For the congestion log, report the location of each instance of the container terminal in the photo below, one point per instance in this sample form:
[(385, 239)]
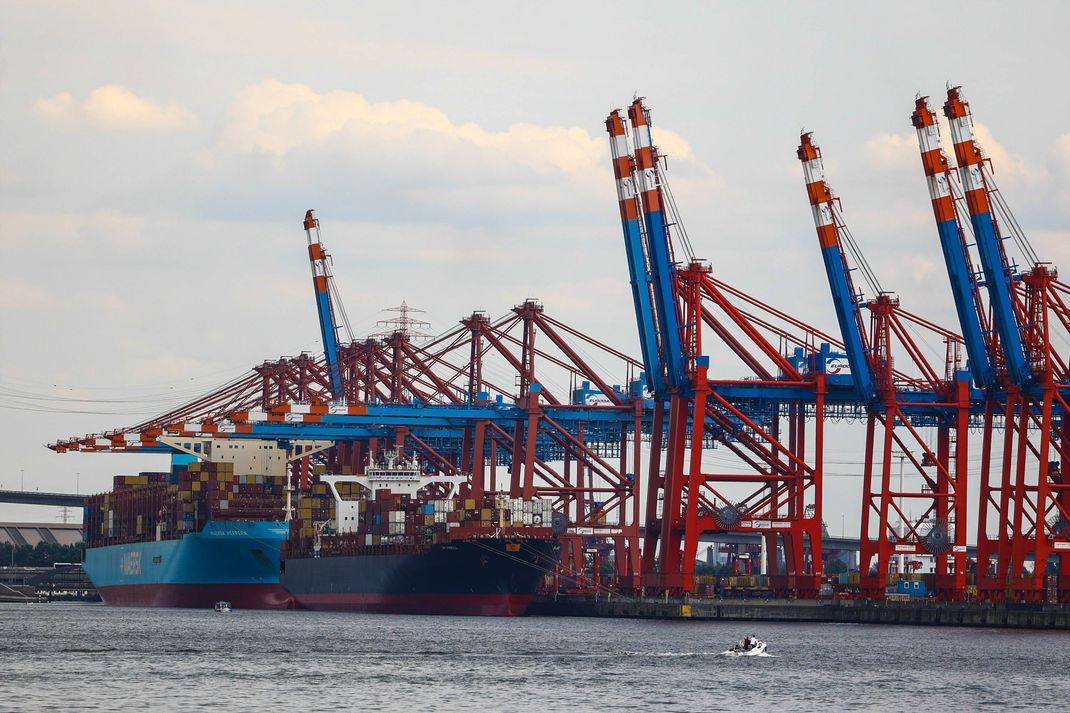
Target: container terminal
[(497, 420)]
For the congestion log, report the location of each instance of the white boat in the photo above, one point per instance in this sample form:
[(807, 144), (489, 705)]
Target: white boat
[(756, 648), (222, 607)]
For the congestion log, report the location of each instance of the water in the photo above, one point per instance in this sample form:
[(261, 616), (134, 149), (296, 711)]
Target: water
[(91, 657)]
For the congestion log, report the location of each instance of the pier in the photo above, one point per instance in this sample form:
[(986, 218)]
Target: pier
[(925, 612)]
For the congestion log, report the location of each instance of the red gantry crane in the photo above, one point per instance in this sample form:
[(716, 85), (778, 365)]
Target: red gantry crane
[(897, 519)]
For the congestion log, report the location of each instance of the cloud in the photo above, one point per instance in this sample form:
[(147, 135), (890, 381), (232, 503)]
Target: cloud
[(1061, 159), (892, 151), (115, 108), (97, 228), (277, 118), (110, 226), (1008, 167), (900, 151), (407, 161), (54, 108), (18, 294)]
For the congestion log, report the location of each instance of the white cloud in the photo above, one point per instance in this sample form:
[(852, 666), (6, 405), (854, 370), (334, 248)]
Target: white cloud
[(1009, 167), (893, 151), (277, 118), (922, 267), (1062, 152), (115, 108), (408, 162), (900, 151), (16, 293), (97, 227), (114, 227), (54, 108)]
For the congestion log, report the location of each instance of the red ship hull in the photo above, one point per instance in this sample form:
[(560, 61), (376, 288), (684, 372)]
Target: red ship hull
[(439, 604), (198, 596)]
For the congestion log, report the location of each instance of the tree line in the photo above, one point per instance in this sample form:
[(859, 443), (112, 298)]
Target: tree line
[(44, 554)]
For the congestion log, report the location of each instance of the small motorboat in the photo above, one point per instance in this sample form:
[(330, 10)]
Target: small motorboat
[(750, 646), (222, 607)]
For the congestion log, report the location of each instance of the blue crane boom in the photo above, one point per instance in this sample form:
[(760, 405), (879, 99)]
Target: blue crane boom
[(635, 248), (963, 278), (845, 297), (997, 269), (659, 252), (321, 277)]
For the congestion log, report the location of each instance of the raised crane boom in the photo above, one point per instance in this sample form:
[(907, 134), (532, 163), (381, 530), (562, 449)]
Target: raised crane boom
[(964, 287), (321, 278), (637, 252), (997, 269), (659, 257), (844, 295)]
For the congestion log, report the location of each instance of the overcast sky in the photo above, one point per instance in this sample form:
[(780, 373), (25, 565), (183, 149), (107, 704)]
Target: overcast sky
[(156, 161)]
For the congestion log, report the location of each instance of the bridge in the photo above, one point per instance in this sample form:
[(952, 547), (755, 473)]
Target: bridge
[(34, 497)]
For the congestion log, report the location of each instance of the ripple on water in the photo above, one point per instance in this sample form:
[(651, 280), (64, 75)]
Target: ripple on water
[(110, 658)]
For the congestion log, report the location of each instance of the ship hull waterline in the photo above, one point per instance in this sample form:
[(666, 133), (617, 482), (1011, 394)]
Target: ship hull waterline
[(466, 578)]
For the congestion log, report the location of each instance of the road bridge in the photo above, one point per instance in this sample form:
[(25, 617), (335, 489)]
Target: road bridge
[(35, 497)]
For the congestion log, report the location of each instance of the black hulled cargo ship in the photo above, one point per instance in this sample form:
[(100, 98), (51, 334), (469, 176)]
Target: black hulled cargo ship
[(472, 577), (399, 550)]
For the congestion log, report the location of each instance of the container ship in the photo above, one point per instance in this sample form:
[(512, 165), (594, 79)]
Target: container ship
[(208, 530), (403, 542)]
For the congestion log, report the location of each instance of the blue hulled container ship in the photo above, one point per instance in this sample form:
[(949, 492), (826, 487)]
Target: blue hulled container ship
[(210, 529), (235, 561)]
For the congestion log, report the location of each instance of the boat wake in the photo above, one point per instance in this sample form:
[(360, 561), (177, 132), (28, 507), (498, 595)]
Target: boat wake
[(737, 654), (659, 654)]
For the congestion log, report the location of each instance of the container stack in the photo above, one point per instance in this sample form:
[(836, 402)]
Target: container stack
[(133, 512), (168, 505), (215, 490), (404, 522)]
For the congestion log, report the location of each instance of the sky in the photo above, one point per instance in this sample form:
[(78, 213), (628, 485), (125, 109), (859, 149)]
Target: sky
[(156, 160)]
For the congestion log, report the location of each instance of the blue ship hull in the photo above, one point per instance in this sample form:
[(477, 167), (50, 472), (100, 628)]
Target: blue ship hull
[(233, 561)]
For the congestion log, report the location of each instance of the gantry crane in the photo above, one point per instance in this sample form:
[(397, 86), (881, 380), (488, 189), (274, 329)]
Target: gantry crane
[(1024, 502), (897, 404), (772, 424)]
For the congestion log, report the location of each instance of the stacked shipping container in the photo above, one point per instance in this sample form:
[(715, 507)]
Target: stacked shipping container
[(168, 505), (165, 506), (403, 522)]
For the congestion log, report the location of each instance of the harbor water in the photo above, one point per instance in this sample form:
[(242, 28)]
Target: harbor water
[(92, 657)]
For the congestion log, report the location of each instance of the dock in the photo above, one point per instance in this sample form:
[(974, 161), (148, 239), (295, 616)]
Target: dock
[(924, 613)]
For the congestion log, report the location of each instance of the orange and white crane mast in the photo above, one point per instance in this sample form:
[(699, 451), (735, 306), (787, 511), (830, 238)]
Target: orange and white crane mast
[(1024, 510), (328, 306), (933, 521), (973, 317)]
